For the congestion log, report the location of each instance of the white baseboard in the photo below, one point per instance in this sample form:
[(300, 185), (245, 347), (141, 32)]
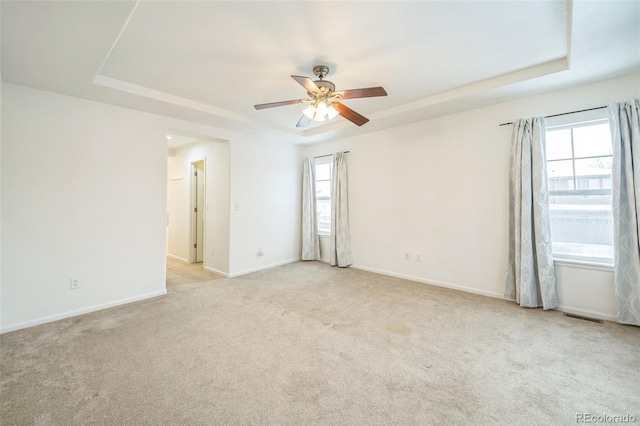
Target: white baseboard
[(587, 313), (562, 308), (261, 268), (76, 312), (178, 258), (433, 282), (210, 269)]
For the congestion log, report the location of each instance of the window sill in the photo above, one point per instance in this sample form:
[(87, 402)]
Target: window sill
[(584, 264), (325, 236)]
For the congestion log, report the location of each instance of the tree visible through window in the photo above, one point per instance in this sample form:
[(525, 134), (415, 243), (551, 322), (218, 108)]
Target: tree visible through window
[(323, 194), (579, 159)]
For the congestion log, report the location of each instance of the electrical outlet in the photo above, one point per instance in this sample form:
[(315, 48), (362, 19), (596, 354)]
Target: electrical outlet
[(75, 283), (260, 251), (213, 252), (418, 257), (407, 256)]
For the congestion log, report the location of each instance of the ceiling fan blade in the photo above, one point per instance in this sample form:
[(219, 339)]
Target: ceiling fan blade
[(307, 83), (277, 104), (350, 114), (304, 121), (368, 92)]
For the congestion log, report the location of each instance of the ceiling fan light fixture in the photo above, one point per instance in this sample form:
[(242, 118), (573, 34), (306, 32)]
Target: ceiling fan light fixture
[(320, 110), (325, 101), (310, 111), (332, 112)]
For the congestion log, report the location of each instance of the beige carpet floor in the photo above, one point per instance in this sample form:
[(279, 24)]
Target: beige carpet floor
[(179, 272), (307, 344)]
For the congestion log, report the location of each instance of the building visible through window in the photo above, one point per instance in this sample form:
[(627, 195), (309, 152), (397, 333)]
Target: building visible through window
[(323, 194), (579, 159)]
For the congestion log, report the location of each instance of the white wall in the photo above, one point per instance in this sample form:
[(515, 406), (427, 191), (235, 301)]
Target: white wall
[(84, 187), (0, 191), (216, 156), (84, 194), (440, 188), (266, 187)]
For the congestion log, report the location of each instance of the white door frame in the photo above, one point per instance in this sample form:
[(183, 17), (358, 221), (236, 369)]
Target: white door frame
[(192, 211)]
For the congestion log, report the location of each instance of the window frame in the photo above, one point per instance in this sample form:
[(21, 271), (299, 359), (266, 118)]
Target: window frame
[(319, 161), (577, 122)]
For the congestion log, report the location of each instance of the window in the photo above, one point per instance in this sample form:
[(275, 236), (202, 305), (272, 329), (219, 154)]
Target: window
[(579, 159), (323, 194)]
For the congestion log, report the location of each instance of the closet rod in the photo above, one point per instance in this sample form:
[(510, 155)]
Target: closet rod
[(329, 155), (563, 113)]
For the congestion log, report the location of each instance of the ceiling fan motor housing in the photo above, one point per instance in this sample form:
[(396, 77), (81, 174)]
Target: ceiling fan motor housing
[(325, 87), (321, 71)]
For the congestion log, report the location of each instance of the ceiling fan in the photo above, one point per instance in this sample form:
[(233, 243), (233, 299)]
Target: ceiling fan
[(324, 99)]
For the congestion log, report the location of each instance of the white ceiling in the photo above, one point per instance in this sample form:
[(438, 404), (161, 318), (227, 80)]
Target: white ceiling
[(211, 61)]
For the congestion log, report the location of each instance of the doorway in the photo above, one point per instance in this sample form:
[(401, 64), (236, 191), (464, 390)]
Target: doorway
[(198, 213)]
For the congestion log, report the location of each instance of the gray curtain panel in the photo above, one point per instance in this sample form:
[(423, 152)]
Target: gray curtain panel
[(530, 274), (624, 119), (340, 236), (310, 240)]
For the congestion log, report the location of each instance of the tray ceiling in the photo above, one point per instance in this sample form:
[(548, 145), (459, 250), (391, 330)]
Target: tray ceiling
[(210, 62)]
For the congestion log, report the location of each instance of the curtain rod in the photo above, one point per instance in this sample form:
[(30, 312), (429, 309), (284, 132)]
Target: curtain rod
[(563, 113), (329, 155)]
